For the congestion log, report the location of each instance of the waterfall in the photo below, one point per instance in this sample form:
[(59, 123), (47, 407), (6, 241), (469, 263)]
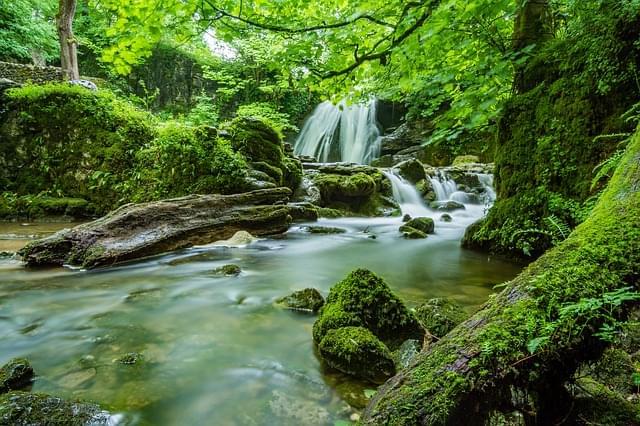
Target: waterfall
[(341, 132), (444, 187), (407, 196), (486, 180)]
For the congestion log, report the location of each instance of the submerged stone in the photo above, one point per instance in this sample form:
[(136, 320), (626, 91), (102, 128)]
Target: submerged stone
[(228, 270), (15, 375), (446, 218), (363, 299), (412, 234), (307, 300), (131, 358), (323, 230), (358, 352), (439, 316), (22, 408), (446, 206)]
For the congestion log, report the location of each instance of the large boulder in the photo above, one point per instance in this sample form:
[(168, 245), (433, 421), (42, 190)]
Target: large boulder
[(139, 230), (15, 375), (357, 352), (363, 299)]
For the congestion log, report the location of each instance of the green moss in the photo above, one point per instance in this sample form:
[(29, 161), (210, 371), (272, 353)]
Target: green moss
[(465, 159), (308, 300), (411, 233), (356, 351), (13, 206), (440, 316), (597, 404), (364, 299), (21, 408), (228, 270), (15, 375), (423, 224)]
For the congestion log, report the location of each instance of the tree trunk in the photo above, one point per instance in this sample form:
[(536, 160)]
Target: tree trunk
[(485, 364), (139, 230), (533, 26), (68, 43)]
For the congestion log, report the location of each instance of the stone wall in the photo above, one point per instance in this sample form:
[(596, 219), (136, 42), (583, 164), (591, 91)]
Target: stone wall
[(22, 73)]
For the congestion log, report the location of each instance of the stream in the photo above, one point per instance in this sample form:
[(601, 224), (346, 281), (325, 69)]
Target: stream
[(215, 350)]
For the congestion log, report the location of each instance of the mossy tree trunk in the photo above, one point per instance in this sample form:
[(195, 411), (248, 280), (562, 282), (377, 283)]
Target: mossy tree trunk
[(486, 365), (68, 42), (533, 26)]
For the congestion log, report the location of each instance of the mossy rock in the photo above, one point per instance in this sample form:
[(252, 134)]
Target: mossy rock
[(323, 230), (596, 404), (424, 224), (465, 159), (615, 369), (412, 234), (446, 218), (307, 300), (228, 270), (15, 375), (440, 316), (411, 170), (22, 408), (334, 187), (357, 352), (132, 358), (363, 299), (256, 140)]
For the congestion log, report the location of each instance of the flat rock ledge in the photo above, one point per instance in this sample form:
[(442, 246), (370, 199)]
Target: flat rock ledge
[(134, 231)]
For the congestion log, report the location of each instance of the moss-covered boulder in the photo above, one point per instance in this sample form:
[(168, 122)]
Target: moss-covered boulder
[(411, 170), (423, 224), (34, 409), (353, 190), (363, 299), (262, 145), (440, 316), (15, 375), (358, 352), (307, 300)]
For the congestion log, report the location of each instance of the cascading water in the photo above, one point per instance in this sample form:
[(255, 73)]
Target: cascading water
[(443, 186), (342, 132), (407, 196)]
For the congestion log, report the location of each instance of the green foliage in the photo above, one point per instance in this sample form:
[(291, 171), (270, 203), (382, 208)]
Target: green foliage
[(205, 112), (27, 30), (185, 160), (269, 114)]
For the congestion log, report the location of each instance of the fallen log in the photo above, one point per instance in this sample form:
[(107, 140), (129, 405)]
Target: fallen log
[(139, 230), (518, 350)]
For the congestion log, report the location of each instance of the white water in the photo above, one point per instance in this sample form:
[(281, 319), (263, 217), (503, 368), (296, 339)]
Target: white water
[(341, 132), (444, 187), (407, 196)]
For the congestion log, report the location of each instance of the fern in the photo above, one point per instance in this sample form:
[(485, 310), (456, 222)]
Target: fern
[(559, 229), (606, 168)]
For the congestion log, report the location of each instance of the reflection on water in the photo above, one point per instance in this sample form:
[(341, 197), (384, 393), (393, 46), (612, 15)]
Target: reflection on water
[(14, 235), (214, 349)]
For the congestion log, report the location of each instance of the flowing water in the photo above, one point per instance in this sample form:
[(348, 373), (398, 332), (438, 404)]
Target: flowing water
[(342, 132), (216, 351)]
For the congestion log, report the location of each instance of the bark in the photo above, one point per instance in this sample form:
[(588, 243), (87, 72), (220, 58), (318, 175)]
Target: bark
[(533, 26), (139, 230), (68, 42), (485, 365)]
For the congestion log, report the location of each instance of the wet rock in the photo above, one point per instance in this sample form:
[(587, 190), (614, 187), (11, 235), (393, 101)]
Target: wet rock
[(439, 316), (399, 140), (253, 184), (446, 218), (412, 234), (411, 170), (303, 212), (406, 218), (307, 300), (6, 255), (76, 379), (131, 358), (363, 299), (34, 409), (228, 270), (357, 352), (346, 169), (323, 230), (424, 224), (239, 239), (138, 230), (447, 206), (15, 375)]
